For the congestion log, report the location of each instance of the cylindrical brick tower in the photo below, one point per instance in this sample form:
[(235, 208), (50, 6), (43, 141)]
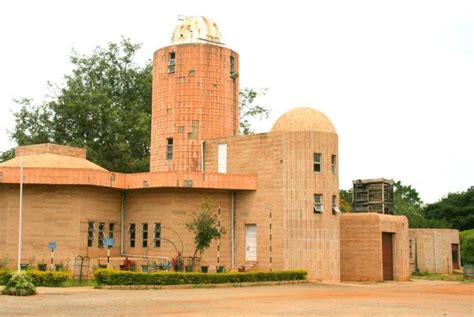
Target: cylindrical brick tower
[(195, 95)]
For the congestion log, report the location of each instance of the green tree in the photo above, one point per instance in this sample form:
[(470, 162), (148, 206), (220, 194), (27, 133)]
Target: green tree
[(249, 110), (345, 200), (407, 202), (456, 209), (204, 227), (104, 106)]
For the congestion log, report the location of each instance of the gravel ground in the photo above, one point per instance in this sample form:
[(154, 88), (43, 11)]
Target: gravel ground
[(418, 298)]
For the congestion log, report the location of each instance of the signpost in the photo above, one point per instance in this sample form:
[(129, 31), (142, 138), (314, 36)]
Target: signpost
[(52, 247), (108, 243)]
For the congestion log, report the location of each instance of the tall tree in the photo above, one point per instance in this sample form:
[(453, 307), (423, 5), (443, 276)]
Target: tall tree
[(457, 209), (249, 110), (104, 106), (345, 200), (407, 202)]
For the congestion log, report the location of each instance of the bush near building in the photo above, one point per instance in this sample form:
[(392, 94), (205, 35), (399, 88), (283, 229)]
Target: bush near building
[(113, 277), (38, 278), (20, 284), (467, 246)]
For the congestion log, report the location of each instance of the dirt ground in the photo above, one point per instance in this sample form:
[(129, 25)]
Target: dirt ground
[(418, 298)]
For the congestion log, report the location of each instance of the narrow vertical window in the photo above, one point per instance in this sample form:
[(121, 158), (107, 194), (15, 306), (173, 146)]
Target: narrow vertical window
[(232, 67), (171, 62), (318, 203), (317, 162), (335, 209), (111, 230), (169, 148), (333, 164), (90, 234), (144, 235), (157, 235), (131, 234), (101, 234)]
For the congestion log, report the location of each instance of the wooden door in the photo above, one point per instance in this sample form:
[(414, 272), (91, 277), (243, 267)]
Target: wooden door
[(455, 255), (387, 255), (251, 243)]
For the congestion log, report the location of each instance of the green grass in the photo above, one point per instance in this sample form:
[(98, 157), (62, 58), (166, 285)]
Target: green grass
[(441, 277)]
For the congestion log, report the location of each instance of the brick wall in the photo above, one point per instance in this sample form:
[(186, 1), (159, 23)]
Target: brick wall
[(55, 213), (198, 101), (173, 208), (432, 248), (50, 148), (283, 163), (361, 246)]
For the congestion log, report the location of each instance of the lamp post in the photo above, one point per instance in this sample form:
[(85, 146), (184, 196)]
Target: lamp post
[(20, 213)]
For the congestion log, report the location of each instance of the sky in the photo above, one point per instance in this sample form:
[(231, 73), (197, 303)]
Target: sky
[(396, 78)]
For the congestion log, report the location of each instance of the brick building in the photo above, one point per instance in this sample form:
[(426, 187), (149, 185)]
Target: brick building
[(276, 193)]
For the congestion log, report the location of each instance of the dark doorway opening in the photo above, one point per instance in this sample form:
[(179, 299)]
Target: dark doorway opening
[(387, 255), (455, 255)]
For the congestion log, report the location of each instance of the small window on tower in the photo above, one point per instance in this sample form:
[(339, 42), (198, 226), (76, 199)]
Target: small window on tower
[(335, 209), (333, 164), (318, 203), (232, 67), (169, 148), (317, 162), (171, 62)]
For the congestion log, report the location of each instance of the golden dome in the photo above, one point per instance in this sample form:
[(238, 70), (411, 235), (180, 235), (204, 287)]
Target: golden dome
[(303, 119), (196, 29)]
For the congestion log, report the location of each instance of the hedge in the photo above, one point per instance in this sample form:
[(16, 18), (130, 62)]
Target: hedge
[(467, 246), (40, 278), (114, 277)]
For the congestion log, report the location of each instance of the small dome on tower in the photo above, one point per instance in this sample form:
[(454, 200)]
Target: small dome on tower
[(303, 119), (196, 29)]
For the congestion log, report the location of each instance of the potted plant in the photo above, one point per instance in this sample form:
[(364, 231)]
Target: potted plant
[(220, 269), (177, 262), (128, 265), (42, 266), (205, 229)]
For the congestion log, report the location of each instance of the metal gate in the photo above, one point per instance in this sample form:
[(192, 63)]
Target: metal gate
[(81, 269)]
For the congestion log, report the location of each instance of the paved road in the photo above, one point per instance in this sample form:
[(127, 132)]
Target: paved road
[(418, 298)]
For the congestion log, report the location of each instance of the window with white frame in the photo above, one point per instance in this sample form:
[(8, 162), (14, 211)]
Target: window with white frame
[(318, 203), (169, 148), (335, 209), (171, 62), (317, 162)]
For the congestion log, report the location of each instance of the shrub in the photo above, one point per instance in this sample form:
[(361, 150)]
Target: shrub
[(467, 246), (20, 284), (114, 277), (48, 278), (5, 276), (38, 278)]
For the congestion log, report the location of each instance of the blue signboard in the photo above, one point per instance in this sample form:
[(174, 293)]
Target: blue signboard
[(109, 242), (52, 245)]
